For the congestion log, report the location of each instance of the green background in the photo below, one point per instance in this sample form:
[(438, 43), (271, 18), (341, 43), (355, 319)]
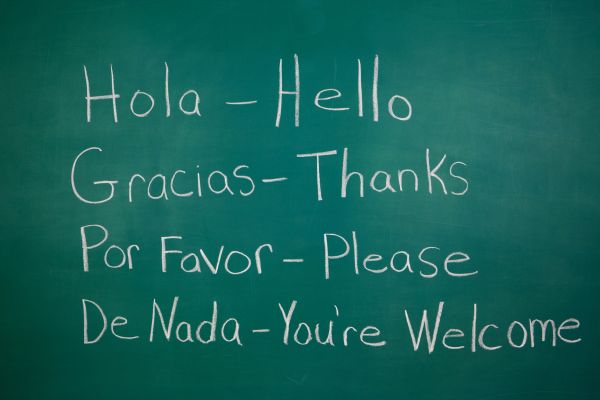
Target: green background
[(508, 87)]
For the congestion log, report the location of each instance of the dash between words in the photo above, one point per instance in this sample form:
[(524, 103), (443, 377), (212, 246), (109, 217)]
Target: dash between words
[(433, 175), (425, 334), (329, 99)]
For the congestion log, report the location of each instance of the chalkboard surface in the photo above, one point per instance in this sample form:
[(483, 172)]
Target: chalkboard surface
[(166, 232)]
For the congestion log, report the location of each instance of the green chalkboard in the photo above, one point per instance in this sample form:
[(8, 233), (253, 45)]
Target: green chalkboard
[(261, 200)]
